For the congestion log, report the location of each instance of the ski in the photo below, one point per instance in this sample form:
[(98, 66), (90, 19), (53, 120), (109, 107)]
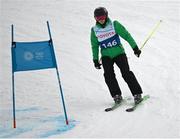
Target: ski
[(115, 106), (136, 105)]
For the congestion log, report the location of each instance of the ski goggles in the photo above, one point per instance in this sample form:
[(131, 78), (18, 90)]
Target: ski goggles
[(98, 18)]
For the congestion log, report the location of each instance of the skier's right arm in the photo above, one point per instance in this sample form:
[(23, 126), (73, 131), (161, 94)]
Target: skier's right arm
[(95, 49), (94, 45)]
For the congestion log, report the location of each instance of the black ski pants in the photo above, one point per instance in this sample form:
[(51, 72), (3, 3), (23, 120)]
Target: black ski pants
[(110, 77)]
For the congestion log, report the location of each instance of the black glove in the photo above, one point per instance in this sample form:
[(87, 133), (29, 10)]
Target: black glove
[(97, 65), (137, 51)]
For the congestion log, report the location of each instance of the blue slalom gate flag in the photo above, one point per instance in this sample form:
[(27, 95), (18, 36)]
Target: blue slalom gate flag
[(33, 56)]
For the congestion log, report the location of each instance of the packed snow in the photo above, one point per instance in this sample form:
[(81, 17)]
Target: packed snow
[(39, 110)]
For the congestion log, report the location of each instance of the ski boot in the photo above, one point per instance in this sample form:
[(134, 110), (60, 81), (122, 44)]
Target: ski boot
[(117, 99), (137, 98)]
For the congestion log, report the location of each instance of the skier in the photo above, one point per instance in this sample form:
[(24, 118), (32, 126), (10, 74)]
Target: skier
[(107, 35)]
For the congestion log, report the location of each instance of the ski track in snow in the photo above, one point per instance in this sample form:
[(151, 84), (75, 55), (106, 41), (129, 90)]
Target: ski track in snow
[(86, 95)]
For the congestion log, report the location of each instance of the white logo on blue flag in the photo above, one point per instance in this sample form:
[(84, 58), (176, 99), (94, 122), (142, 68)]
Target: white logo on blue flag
[(39, 55), (28, 56)]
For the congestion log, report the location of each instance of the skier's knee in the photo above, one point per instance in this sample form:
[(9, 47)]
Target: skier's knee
[(109, 77), (127, 75)]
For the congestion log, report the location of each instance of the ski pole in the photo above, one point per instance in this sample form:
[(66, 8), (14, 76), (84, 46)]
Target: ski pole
[(150, 35)]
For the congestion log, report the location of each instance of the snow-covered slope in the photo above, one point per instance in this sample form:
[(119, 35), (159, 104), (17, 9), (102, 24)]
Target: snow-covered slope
[(39, 109)]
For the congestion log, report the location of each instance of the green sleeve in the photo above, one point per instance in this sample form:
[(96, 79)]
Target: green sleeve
[(121, 30), (94, 45)]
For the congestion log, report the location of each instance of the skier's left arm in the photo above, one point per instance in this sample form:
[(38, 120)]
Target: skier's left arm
[(121, 30)]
